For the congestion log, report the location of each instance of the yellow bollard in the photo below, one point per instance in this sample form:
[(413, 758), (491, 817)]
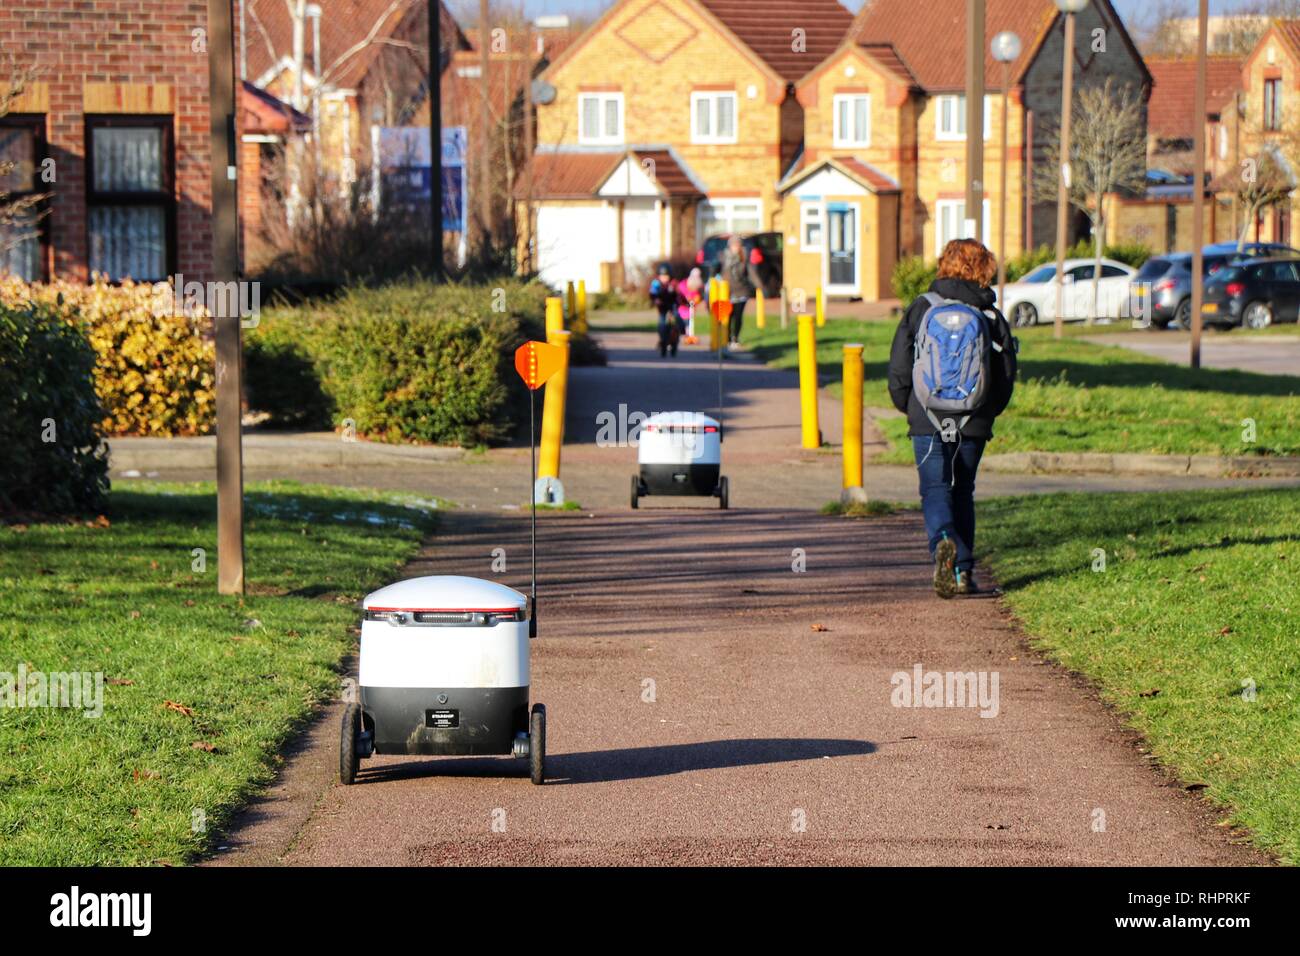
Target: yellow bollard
[(553, 411), (581, 324), (812, 433), (821, 307), (554, 314), (760, 315), (570, 302), (852, 380), (724, 311)]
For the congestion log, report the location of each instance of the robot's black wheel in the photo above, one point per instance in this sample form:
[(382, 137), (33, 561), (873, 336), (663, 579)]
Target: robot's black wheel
[(636, 491), (537, 744), (724, 493), (349, 761)]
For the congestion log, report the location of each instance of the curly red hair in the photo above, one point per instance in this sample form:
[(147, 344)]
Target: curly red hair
[(968, 259)]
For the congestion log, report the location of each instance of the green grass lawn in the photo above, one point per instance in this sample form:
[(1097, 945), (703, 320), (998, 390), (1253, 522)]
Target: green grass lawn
[(201, 690), (1076, 396), (1198, 602)]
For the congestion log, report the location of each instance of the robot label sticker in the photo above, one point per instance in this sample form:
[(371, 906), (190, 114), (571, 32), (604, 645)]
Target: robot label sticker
[(442, 719)]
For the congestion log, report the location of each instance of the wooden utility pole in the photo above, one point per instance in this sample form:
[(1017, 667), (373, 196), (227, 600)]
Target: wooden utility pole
[(1198, 186), (435, 140), (484, 160), (975, 115), (225, 268), (1064, 173)]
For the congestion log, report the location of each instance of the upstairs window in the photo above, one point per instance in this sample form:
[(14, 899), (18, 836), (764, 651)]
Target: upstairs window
[(131, 214), (852, 120), (600, 118), (1272, 104), (713, 117), (950, 116)]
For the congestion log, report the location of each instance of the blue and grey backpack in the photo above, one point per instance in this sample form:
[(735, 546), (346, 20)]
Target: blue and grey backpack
[(950, 367)]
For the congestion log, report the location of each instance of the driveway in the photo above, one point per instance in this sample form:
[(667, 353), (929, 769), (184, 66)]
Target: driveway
[(1265, 354)]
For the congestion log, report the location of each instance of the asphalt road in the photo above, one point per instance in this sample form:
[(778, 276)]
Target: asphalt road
[(1265, 354), (721, 689)]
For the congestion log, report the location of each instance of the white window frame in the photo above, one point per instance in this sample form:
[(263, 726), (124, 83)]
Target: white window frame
[(959, 104), (958, 205), (729, 219), (604, 139), (838, 138), (812, 213), (714, 97)]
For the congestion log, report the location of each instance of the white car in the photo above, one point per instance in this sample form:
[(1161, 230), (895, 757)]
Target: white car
[(1033, 298)]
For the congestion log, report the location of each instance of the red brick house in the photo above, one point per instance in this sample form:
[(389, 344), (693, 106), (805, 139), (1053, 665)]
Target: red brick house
[(115, 131)]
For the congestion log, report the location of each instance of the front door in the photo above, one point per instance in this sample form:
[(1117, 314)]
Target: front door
[(842, 248)]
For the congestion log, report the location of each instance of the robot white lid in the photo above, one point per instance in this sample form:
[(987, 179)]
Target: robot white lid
[(681, 418), (445, 592)]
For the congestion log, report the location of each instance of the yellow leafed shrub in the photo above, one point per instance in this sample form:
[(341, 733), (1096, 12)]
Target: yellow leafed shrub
[(154, 368)]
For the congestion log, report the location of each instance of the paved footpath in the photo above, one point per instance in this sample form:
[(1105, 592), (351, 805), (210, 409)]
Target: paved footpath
[(710, 703)]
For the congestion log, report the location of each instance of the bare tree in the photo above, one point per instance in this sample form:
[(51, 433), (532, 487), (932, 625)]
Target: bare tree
[(18, 214), (1107, 155), (1266, 175)]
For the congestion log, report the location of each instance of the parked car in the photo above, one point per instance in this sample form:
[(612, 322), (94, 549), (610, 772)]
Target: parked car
[(1162, 289), (1256, 250), (1033, 298), (768, 266), (1253, 293)]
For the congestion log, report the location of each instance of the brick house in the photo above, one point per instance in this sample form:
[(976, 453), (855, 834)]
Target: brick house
[(881, 174), (114, 131), (666, 122)]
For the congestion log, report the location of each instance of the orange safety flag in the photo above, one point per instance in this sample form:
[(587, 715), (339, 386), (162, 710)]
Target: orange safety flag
[(724, 310), (537, 361)]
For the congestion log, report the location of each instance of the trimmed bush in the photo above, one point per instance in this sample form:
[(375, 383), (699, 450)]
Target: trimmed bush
[(54, 460), (416, 362), (153, 370), (912, 277)]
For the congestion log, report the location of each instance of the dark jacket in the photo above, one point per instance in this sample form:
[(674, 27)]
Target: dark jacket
[(1003, 365)]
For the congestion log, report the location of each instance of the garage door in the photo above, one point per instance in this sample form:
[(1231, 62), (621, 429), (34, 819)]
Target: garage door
[(572, 241)]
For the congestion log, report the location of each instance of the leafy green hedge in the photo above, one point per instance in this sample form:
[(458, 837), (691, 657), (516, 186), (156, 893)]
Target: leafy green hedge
[(416, 362), (912, 275), (52, 456)]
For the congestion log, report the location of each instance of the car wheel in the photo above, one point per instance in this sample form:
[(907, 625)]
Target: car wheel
[(1023, 314), (1257, 315), (1182, 316)]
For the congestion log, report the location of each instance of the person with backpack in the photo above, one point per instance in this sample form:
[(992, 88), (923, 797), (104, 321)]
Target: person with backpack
[(952, 368)]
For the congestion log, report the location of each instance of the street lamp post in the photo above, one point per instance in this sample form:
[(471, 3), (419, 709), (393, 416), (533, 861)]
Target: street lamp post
[(975, 120), (1198, 187), (1069, 8), (1006, 50)]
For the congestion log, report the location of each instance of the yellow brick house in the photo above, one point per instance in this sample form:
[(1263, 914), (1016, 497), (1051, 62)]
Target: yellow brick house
[(884, 125), (666, 122)]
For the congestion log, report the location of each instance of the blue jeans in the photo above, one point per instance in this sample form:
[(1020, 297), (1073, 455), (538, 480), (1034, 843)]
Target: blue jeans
[(947, 473)]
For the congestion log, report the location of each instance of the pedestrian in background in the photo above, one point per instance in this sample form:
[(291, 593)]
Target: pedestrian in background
[(736, 270)]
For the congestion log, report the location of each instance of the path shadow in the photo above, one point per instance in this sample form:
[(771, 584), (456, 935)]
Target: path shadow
[(635, 763)]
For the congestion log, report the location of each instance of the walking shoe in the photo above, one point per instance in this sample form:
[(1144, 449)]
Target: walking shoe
[(945, 577), (966, 585)]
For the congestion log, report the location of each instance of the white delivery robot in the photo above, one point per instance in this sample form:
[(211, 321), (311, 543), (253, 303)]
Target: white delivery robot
[(444, 671), (680, 453)]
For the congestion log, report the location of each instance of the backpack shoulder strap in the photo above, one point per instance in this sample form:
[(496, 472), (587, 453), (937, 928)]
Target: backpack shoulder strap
[(934, 298)]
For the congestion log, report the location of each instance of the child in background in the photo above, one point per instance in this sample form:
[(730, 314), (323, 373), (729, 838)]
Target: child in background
[(663, 295), (690, 296)]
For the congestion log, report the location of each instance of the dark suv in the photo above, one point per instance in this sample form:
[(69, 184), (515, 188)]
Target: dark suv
[(769, 266), (1253, 293)]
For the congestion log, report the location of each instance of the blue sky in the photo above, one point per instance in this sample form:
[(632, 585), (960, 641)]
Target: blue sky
[(1128, 9)]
